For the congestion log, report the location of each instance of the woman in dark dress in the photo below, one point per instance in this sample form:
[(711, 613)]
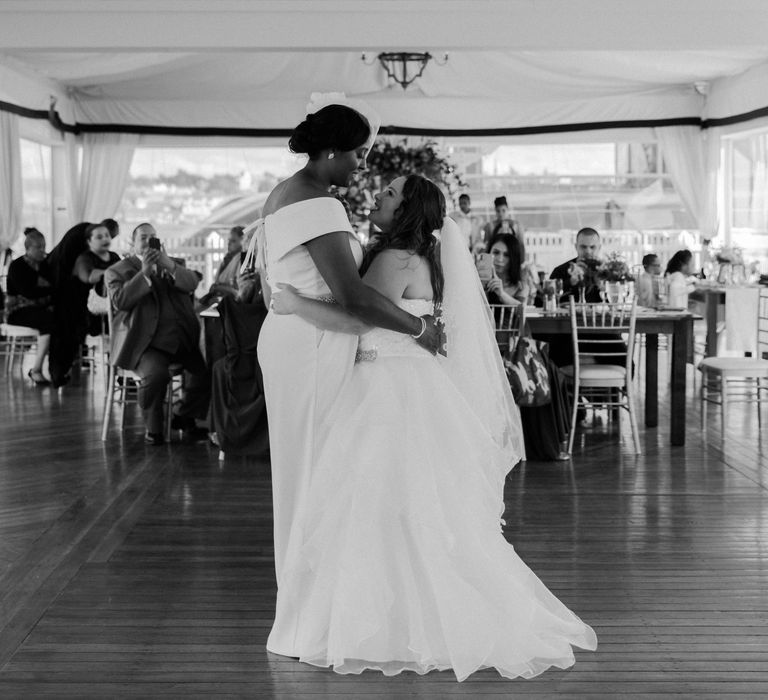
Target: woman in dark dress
[(70, 318), (29, 297), (89, 273)]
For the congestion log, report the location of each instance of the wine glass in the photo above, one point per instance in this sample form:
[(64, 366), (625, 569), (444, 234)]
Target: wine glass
[(558, 290)]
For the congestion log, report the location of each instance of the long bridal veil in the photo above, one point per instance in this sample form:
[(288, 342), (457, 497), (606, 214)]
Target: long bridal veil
[(474, 363)]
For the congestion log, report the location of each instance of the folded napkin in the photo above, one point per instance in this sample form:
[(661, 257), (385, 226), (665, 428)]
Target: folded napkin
[(741, 318)]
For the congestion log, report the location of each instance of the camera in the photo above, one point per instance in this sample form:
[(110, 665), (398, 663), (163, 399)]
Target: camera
[(154, 243)]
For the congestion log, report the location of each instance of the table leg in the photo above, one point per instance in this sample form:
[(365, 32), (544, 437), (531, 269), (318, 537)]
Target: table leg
[(651, 380), (680, 340)]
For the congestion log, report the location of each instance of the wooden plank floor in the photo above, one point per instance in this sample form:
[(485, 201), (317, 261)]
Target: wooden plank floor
[(127, 570)]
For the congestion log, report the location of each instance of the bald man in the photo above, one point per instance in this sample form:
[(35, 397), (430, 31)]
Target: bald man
[(155, 325)]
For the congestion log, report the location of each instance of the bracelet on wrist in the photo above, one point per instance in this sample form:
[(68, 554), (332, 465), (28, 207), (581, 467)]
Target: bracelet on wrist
[(423, 328)]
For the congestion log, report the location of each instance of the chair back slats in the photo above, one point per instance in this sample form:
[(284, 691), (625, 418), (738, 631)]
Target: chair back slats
[(509, 322), (595, 327)]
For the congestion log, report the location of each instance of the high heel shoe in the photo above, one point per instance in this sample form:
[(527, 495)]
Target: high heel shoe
[(38, 378)]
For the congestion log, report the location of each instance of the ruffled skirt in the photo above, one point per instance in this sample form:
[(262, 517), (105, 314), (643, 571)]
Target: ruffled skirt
[(400, 563)]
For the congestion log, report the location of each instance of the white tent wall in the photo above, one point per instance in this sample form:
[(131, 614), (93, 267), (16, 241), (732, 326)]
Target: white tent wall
[(544, 71), (11, 195)]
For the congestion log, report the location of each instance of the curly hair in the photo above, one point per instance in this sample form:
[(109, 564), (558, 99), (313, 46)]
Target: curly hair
[(420, 213), (513, 271)]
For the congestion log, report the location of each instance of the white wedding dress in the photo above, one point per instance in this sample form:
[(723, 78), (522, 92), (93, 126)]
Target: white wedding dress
[(304, 368), (399, 562)]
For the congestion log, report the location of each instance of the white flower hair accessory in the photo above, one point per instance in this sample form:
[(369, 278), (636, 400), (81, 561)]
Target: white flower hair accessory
[(318, 100)]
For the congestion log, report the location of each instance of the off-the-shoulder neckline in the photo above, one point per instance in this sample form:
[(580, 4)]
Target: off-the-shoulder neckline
[(302, 201)]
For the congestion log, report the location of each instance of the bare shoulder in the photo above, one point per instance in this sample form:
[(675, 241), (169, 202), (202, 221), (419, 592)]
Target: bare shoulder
[(393, 259), (291, 191)]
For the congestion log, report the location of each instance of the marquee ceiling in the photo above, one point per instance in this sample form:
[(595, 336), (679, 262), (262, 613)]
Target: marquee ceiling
[(237, 64)]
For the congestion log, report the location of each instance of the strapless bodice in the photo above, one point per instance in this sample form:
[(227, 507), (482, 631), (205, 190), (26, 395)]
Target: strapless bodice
[(380, 342)]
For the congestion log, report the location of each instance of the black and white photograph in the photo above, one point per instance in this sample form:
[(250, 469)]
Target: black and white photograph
[(383, 349)]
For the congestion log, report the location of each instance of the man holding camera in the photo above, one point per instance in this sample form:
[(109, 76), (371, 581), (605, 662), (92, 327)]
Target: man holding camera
[(155, 325)]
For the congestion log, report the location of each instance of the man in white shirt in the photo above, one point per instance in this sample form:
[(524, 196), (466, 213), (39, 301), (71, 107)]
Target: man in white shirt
[(467, 222)]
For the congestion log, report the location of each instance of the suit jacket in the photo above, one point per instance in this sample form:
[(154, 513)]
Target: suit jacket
[(137, 310)]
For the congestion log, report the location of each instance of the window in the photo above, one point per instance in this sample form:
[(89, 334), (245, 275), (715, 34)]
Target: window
[(36, 187), (193, 196), (554, 187), (748, 183)]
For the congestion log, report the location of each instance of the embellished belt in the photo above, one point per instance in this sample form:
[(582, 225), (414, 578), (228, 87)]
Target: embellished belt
[(366, 355)]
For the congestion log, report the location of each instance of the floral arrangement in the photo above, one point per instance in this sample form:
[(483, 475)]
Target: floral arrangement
[(388, 160), (583, 273), (728, 254), (614, 268)]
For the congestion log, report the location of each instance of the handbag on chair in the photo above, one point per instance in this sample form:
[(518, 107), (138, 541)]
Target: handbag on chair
[(97, 304), (526, 369)]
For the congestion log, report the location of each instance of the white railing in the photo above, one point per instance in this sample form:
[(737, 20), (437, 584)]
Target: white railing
[(549, 249), (545, 249)]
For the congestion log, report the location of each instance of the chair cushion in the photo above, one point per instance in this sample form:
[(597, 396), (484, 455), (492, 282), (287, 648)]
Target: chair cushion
[(10, 330), (745, 366), (609, 372)]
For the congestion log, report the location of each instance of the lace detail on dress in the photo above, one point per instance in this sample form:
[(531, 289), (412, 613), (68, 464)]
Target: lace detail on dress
[(380, 342)]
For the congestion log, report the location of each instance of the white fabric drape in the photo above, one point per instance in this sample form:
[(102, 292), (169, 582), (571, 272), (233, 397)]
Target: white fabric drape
[(104, 174), (11, 196), (692, 158)]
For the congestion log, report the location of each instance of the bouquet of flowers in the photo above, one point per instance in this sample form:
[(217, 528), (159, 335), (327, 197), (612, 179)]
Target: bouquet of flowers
[(614, 269), (583, 273)]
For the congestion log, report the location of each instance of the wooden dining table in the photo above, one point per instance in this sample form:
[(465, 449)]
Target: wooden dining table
[(651, 322)]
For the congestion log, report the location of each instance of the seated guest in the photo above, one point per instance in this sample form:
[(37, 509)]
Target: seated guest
[(155, 325), (70, 321), (238, 416), (507, 285), (226, 276), (29, 297), (575, 273), (578, 271), (644, 286), (502, 223), (90, 267), (678, 277)]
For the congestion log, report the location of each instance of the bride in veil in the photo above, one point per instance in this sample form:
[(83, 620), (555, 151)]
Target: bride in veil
[(400, 563)]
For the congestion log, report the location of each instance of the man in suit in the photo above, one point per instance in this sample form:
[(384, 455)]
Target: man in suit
[(155, 325)]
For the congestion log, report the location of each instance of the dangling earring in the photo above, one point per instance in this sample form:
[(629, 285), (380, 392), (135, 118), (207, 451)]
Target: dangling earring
[(331, 155)]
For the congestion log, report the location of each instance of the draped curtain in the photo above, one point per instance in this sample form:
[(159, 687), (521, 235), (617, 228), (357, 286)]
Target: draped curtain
[(104, 173), (692, 159), (11, 198)]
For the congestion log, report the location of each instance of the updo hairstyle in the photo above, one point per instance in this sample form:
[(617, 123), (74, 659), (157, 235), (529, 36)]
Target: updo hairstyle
[(333, 127)]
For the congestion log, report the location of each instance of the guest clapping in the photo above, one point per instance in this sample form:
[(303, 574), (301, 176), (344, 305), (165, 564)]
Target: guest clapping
[(29, 297), (506, 286), (155, 325)]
